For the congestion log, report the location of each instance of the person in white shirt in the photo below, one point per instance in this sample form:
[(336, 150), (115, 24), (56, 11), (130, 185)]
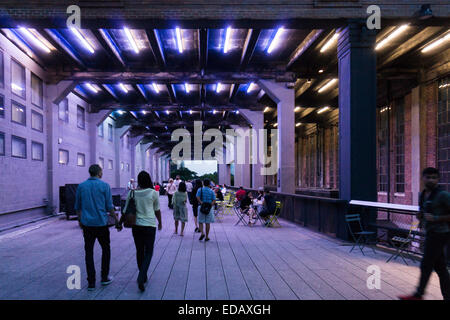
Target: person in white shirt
[(171, 189), (177, 181), (189, 188), (131, 185), (223, 189)]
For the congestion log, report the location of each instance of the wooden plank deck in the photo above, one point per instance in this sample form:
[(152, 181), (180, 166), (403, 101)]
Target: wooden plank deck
[(239, 263)]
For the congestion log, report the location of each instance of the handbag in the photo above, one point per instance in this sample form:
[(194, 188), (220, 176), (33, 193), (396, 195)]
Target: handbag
[(205, 207), (129, 216)]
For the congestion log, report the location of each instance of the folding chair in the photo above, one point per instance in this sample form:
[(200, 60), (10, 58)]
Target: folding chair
[(258, 217), (241, 215), (220, 209), (401, 244), (229, 205), (360, 238), (273, 219)]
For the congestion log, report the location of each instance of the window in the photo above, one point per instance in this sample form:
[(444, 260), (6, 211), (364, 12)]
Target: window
[(18, 113), (2, 106), (80, 117), (2, 82), (383, 137), (63, 110), (122, 166), (101, 162), (81, 158), (443, 133), (37, 121), (17, 79), (63, 156), (36, 91), (2, 144), (399, 147), (110, 164), (100, 130), (110, 132), (18, 147), (128, 167), (37, 151)]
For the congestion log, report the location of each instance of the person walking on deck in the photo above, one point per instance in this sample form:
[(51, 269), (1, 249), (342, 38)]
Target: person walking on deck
[(93, 202), (171, 188), (148, 218), (179, 207), (206, 199), (197, 185), (434, 214)]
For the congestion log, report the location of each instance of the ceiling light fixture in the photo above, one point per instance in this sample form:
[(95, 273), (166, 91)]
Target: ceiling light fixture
[(323, 109), (91, 87), (186, 87), (436, 43), (131, 39), (123, 88), (391, 36), (86, 44), (250, 87), (297, 109), (179, 40), (218, 87), (327, 85), (226, 45), (155, 87), (266, 109), (330, 42), (34, 39), (275, 40), (298, 124)]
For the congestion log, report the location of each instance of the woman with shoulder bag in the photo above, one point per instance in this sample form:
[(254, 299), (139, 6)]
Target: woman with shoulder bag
[(206, 199), (146, 202)]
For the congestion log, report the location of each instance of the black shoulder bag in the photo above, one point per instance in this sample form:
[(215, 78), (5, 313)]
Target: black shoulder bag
[(205, 208)]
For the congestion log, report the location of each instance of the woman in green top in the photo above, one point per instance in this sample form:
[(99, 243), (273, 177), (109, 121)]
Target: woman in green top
[(179, 207), (144, 231)]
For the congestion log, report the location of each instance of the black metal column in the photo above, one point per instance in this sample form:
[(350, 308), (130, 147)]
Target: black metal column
[(357, 113)]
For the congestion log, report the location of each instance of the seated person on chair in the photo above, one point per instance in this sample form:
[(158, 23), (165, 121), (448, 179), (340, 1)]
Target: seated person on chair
[(246, 202), (246, 206), (240, 194), (269, 205)]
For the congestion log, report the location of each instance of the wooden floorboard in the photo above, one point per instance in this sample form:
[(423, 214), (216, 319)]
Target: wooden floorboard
[(239, 263)]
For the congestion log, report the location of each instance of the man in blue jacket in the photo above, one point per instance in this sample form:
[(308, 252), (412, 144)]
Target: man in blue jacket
[(93, 205)]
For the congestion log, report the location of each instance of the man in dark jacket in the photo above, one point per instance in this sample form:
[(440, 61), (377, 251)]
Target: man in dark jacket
[(434, 213)]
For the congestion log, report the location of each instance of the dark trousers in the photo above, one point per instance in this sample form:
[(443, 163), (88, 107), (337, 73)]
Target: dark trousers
[(434, 259), (169, 196), (102, 234), (144, 239), (195, 209)]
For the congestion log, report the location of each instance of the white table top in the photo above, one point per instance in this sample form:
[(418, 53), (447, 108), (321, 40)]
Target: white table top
[(384, 205)]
